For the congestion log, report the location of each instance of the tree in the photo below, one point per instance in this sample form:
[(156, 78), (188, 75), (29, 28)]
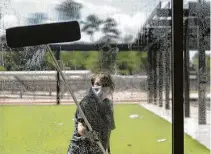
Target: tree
[(37, 18), (91, 25), (11, 61), (107, 58), (24, 59), (37, 61), (48, 61), (111, 33), (108, 53), (92, 61), (69, 10), (74, 60), (128, 62)]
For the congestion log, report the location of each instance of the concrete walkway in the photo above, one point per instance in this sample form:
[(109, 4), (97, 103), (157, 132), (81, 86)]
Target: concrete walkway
[(198, 132)]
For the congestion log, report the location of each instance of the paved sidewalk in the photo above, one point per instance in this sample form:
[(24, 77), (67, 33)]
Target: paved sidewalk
[(198, 132)]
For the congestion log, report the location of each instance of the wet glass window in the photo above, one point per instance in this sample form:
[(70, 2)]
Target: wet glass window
[(131, 112)]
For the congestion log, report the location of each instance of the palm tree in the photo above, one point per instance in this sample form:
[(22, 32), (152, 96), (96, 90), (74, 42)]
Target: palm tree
[(91, 26), (107, 53), (69, 10), (110, 30)]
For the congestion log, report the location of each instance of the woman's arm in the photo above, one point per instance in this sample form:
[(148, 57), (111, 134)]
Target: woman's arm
[(79, 120)]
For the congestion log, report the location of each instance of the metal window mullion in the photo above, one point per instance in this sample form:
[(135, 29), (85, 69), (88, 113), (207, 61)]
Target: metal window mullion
[(177, 78)]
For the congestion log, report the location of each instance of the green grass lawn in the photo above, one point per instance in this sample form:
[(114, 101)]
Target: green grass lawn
[(48, 129)]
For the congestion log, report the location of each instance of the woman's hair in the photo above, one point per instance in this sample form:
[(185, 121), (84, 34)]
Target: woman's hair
[(104, 78)]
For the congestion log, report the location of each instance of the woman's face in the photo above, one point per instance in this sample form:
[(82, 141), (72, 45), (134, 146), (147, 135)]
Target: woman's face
[(101, 92)]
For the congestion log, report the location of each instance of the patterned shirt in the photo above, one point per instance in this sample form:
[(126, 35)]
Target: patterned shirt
[(100, 116)]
